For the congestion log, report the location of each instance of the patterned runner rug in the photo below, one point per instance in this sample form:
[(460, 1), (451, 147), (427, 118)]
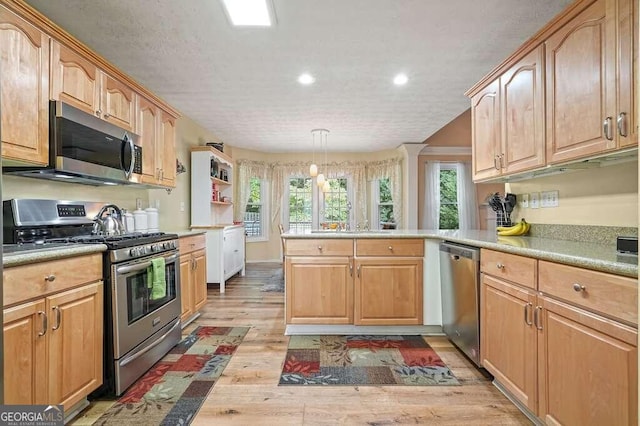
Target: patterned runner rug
[(363, 360), (173, 390)]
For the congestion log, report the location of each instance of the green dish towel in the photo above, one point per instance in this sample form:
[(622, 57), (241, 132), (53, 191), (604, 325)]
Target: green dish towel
[(156, 280)]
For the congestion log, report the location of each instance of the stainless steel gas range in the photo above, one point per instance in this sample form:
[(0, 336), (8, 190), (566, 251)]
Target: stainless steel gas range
[(142, 318)]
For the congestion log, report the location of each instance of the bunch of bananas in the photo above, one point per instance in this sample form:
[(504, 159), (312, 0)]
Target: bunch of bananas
[(520, 228)]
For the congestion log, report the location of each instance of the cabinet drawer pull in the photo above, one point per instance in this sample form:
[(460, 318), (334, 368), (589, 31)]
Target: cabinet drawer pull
[(45, 323), (606, 127), (579, 287), (527, 313), (622, 124), (499, 265), (51, 278), (390, 248), (319, 248), (58, 318), (536, 317)]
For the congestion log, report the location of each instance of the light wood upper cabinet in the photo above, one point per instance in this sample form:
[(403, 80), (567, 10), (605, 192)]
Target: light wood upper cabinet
[(75, 80), (157, 131), (25, 354), (167, 161), (118, 103), (581, 85), (587, 368), (80, 83), (485, 128), (522, 114), (24, 90)]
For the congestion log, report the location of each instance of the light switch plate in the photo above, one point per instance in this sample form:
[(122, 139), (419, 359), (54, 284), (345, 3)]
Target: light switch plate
[(524, 201), (549, 198), (534, 200)]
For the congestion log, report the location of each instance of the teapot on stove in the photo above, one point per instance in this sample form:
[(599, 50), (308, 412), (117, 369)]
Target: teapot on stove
[(111, 224)]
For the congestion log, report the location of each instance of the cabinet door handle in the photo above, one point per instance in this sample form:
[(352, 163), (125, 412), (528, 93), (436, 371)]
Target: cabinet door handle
[(106, 115), (45, 323), (579, 287), (622, 124), (501, 156), (536, 317), (495, 162), (50, 278), (527, 313), (358, 271), (98, 112), (606, 127), (350, 269), (58, 318)]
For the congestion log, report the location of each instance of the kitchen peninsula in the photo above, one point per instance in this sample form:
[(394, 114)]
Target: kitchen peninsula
[(388, 281)]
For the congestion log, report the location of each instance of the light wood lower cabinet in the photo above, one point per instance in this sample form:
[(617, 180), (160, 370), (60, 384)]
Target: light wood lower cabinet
[(380, 285), (193, 277), (553, 351), (508, 346), (587, 368), (53, 330), (319, 290), (53, 347), (388, 291)]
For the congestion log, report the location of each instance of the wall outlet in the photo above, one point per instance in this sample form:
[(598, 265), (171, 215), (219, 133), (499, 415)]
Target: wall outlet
[(181, 206), (524, 201), (534, 199), (549, 199)]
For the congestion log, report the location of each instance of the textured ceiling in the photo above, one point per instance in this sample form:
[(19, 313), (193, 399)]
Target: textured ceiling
[(240, 83)]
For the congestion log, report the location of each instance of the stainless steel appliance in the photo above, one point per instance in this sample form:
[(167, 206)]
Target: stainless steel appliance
[(139, 328), (85, 149), (460, 282)]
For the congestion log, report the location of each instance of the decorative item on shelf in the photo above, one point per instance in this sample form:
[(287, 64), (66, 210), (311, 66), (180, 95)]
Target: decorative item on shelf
[(217, 145), (180, 168), (214, 168), (223, 175)]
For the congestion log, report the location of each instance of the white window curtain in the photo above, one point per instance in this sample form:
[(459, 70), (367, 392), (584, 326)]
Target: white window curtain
[(467, 203), (246, 170), (431, 209), (391, 169)]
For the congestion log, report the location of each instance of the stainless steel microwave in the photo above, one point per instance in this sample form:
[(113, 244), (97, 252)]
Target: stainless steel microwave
[(85, 149)]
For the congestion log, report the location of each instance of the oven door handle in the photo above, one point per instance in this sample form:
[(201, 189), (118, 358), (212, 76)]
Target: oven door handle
[(137, 355), (141, 266)]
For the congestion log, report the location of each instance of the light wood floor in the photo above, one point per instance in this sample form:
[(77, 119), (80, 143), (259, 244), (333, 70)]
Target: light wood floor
[(247, 393)]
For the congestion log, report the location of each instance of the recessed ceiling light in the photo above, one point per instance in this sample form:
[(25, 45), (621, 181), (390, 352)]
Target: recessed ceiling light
[(248, 12), (306, 79), (400, 79)]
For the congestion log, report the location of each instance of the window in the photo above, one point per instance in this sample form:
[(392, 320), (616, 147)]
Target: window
[(308, 207), (382, 205), (337, 207), (299, 212), (255, 215), (448, 197)]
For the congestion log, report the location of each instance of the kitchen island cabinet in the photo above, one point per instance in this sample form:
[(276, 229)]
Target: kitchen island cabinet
[(53, 330)]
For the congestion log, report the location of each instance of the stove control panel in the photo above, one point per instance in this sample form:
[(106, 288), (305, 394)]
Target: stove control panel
[(142, 250)]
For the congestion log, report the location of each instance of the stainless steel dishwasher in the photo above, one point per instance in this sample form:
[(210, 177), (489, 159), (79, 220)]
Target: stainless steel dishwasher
[(460, 282)]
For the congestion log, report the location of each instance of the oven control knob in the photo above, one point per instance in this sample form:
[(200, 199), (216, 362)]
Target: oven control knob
[(132, 252)]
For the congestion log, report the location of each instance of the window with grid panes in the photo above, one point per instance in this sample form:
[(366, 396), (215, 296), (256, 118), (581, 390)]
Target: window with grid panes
[(254, 216), (300, 204)]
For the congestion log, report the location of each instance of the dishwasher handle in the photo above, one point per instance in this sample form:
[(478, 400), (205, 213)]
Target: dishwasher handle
[(457, 251)]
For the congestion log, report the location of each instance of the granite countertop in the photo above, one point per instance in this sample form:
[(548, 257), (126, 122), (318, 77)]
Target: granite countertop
[(594, 256), (46, 253), (186, 233)]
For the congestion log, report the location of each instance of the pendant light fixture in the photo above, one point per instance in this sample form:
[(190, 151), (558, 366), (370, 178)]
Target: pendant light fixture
[(313, 168), (320, 179)]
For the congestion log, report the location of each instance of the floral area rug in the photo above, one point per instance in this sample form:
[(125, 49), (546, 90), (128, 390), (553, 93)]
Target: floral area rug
[(363, 360), (173, 390)]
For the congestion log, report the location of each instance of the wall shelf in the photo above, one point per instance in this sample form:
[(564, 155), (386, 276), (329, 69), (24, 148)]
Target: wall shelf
[(222, 203), (220, 181)]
